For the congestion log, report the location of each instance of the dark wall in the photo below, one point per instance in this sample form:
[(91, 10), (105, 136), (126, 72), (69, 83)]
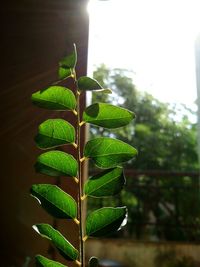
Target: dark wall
[(34, 36)]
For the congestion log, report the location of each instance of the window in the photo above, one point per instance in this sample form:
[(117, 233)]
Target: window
[(145, 51)]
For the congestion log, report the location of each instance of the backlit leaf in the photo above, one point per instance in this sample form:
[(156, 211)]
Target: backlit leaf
[(104, 221), (64, 247), (67, 65), (107, 116), (93, 262), (42, 261), (55, 98), (70, 60), (88, 84), (53, 133), (108, 152), (64, 72), (56, 163), (55, 201), (106, 183)]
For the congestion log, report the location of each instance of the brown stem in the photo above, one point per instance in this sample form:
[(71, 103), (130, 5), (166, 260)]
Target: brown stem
[(80, 184)]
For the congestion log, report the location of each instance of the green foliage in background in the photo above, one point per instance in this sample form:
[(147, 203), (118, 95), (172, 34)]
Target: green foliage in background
[(166, 139), (107, 153)]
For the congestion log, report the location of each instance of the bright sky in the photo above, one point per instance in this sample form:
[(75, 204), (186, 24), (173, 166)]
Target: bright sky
[(154, 38)]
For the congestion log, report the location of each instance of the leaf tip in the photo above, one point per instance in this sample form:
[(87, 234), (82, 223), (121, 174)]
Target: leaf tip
[(36, 199), (124, 222), (35, 228)]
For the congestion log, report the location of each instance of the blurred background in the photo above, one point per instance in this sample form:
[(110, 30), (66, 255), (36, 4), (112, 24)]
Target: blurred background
[(148, 53)]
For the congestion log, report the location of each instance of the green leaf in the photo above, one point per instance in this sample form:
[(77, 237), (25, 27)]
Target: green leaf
[(53, 133), (108, 152), (65, 248), (70, 60), (42, 261), (93, 262), (57, 163), (106, 183), (55, 98), (67, 65), (104, 221), (55, 201), (107, 116), (88, 84), (64, 73)]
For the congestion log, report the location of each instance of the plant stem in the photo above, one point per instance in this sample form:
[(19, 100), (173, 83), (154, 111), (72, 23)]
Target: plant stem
[(80, 184)]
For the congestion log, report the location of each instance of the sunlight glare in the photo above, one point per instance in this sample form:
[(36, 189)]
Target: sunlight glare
[(153, 38)]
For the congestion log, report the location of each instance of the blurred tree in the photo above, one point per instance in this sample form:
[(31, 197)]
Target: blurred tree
[(164, 136), (166, 140)]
